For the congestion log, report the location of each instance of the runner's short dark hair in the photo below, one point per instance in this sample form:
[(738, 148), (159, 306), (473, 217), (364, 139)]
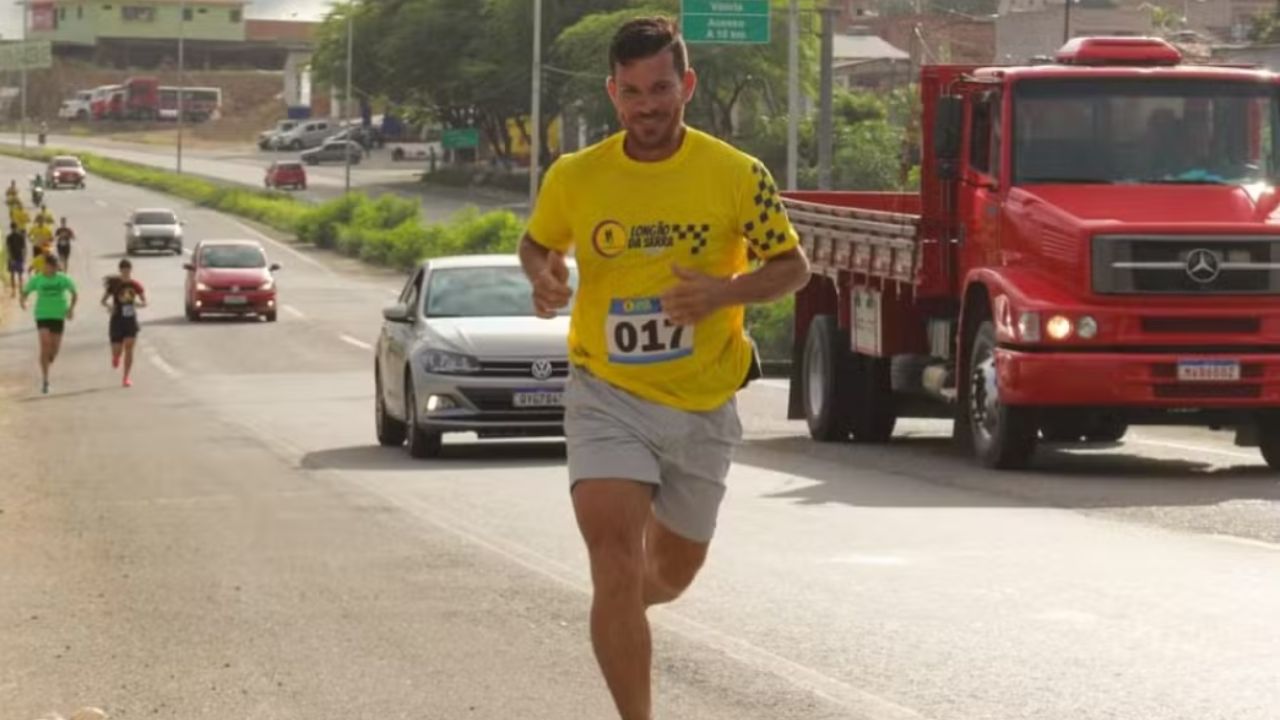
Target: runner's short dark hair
[(645, 37), (125, 263)]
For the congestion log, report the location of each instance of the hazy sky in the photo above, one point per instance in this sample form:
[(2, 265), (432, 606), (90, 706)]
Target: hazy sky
[(11, 15)]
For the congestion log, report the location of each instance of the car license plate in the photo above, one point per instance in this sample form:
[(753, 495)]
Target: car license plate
[(1208, 370), (538, 399), (156, 242), (234, 300)]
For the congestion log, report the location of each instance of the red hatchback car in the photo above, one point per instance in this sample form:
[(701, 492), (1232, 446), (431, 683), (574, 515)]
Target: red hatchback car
[(286, 174), (230, 277)]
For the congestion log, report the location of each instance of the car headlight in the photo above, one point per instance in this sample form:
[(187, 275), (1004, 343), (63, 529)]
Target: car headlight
[(201, 287), (449, 363), (268, 285)]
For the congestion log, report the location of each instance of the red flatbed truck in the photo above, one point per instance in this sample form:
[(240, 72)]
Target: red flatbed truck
[(1092, 246)]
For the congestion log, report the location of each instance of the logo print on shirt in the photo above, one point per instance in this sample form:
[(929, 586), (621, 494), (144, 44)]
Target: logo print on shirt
[(609, 238)]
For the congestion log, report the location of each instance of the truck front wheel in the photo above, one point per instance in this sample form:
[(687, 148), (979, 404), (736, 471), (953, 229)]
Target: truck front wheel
[(1004, 436), (1269, 440)]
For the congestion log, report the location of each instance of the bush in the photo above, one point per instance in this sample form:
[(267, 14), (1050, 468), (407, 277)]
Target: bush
[(771, 327), (319, 224), (471, 232)]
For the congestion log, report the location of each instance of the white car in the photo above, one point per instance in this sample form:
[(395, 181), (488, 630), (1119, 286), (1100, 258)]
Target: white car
[(266, 138), (154, 229), (462, 351), (76, 108), (415, 150)]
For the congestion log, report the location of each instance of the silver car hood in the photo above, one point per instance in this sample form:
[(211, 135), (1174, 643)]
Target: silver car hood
[(500, 337)]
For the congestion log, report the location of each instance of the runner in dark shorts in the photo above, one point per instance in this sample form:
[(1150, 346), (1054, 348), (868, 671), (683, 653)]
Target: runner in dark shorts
[(16, 252), (123, 295), (62, 240), (53, 309)]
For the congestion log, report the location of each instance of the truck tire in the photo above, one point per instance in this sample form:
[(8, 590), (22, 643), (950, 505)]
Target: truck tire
[(1269, 439), (870, 406), (824, 387), (1004, 436)]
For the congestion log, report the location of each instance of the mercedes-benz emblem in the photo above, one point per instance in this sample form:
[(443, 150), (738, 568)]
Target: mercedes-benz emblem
[(542, 369), (1203, 266)]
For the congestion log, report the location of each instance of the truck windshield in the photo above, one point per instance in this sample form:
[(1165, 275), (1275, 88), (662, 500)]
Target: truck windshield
[(1144, 131)]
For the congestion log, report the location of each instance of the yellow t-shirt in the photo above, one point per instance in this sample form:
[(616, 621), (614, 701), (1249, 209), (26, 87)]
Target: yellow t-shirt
[(18, 215), (627, 223), (40, 234)]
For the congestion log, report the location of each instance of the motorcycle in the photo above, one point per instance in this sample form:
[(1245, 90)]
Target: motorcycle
[(37, 195), (41, 138)]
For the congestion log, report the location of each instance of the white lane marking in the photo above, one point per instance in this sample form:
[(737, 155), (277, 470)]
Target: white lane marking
[(1195, 448), (284, 246), (100, 203), (394, 293), (293, 311), (1248, 542), (355, 341), (163, 366), (186, 251)]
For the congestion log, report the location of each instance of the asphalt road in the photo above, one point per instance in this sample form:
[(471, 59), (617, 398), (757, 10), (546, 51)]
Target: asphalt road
[(246, 166), (226, 540)]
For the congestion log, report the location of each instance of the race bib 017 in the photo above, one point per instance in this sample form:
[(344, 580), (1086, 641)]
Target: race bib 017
[(638, 332)]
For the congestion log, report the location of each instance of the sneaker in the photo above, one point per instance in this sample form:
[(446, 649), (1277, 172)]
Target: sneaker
[(45, 388), (128, 383)]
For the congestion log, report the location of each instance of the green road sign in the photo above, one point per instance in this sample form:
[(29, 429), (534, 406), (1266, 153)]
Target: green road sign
[(725, 21), (460, 139), (35, 55)]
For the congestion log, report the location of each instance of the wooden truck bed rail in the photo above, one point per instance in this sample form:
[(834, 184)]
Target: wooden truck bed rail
[(875, 243)]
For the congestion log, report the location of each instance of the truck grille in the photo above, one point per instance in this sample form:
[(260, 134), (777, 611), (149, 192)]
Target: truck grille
[(1186, 265)]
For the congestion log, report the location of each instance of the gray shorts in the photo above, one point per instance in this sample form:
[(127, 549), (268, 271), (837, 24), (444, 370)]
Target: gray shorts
[(685, 456)]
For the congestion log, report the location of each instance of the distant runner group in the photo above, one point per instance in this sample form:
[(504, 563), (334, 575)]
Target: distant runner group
[(46, 275)]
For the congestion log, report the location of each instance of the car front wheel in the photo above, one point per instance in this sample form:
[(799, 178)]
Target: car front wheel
[(422, 443), (391, 432)]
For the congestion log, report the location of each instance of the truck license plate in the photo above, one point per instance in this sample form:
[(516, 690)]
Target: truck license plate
[(1208, 370), (538, 399)]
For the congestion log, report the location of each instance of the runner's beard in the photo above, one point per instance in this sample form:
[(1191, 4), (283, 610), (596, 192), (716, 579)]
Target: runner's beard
[(654, 131)]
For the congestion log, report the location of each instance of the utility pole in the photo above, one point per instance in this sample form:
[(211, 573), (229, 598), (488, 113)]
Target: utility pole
[(182, 75), (826, 88), (346, 114), (535, 143), (793, 97), (22, 61), (1066, 21)]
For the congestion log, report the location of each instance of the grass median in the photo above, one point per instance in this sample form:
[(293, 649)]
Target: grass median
[(387, 231)]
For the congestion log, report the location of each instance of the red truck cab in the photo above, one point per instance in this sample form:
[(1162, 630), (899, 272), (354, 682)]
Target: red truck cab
[(1093, 246)]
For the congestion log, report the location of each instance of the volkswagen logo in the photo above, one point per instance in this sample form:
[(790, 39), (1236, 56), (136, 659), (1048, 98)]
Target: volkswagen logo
[(1203, 266), (542, 369)]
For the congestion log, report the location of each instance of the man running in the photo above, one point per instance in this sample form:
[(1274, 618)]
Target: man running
[(53, 310), (41, 237), (62, 239), (11, 193), (661, 217), (123, 296), (15, 245)]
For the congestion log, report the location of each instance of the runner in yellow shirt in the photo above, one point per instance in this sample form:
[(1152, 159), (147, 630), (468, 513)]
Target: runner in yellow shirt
[(660, 218), (18, 214), (43, 215)]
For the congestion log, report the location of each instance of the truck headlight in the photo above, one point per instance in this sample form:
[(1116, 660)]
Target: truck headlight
[(1087, 327), (1058, 327), (449, 363), (201, 287), (1029, 327)]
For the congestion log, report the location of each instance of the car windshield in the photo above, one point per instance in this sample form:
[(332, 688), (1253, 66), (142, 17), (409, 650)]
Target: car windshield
[(66, 163), (289, 166), (482, 292), (155, 218), (233, 256), (1127, 131)]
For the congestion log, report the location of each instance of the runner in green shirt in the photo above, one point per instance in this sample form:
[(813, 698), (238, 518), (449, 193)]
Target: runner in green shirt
[(53, 310)]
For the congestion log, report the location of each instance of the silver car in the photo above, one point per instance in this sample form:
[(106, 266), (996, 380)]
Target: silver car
[(153, 229), (462, 351)]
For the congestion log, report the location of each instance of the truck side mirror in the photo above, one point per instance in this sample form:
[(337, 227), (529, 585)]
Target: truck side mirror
[(948, 127)]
